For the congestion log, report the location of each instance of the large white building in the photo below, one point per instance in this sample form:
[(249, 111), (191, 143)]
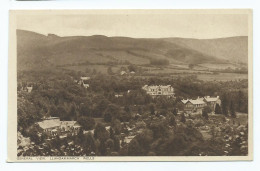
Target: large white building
[(159, 90), (53, 126)]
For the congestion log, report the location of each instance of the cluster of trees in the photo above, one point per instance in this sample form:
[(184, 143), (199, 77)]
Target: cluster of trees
[(56, 94), (173, 136), (232, 102)]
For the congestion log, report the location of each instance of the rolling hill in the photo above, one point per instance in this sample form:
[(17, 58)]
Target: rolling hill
[(234, 49), (37, 50)]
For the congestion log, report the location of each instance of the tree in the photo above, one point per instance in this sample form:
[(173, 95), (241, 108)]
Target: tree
[(110, 71), (180, 105), (132, 68), (85, 110), (134, 148), (90, 144), (87, 123), (127, 109), (100, 108), (171, 120), (111, 133), (224, 104), (108, 117), (218, 109), (232, 109), (152, 109), (207, 109), (160, 129), (32, 132), (52, 111), (140, 110), (175, 111), (116, 125), (183, 119), (110, 144), (205, 114), (117, 144), (242, 102), (101, 133), (145, 139), (72, 113), (112, 112), (61, 111)]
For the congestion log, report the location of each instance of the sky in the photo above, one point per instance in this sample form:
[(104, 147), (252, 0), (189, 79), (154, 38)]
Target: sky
[(137, 25)]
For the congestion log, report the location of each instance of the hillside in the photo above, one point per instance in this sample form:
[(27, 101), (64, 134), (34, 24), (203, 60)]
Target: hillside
[(234, 49), (36, 50)]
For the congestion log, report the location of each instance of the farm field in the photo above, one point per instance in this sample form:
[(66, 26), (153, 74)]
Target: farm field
[(222, 77)]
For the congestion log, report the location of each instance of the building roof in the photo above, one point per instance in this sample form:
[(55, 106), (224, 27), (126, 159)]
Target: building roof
[(184, 101), (84, 78), (197, 101), (201, 100), (211, 99), (49, 124), (123, 72), (157, 86), (54, 122)]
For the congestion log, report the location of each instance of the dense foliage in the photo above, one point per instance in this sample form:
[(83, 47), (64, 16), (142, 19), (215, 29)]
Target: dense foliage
[(164, 132)]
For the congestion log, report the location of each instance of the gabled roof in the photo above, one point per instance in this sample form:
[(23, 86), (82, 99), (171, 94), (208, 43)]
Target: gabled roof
[(123, 72), (201, 100), (184, 101), (197, 101)]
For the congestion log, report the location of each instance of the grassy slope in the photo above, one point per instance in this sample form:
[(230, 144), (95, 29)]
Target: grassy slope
[(40, 50), (234, 49)]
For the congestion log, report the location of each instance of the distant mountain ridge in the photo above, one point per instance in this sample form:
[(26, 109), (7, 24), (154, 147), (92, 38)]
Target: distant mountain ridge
[(35, 49)]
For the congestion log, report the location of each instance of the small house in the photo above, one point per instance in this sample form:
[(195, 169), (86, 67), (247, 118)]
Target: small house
[(84, 81), (123, 73), (29, 89)]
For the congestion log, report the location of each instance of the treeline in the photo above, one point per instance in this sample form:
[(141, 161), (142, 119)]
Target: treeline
[(159, 61)]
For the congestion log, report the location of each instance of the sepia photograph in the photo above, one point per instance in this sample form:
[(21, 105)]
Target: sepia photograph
[(130, 85)]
